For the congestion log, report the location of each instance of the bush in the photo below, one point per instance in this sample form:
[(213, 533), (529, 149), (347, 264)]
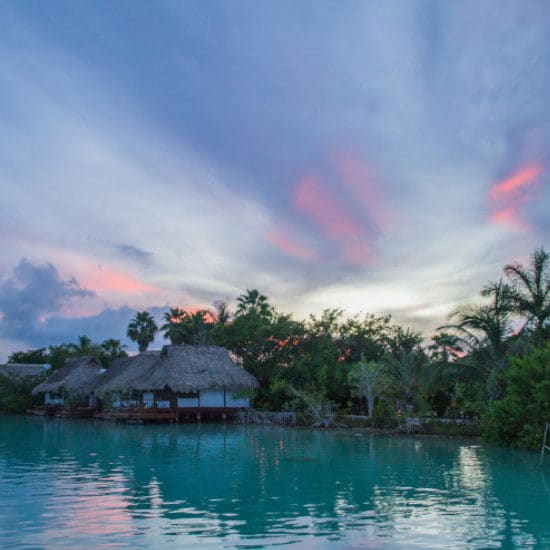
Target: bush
[(15, 394), (518, 419)]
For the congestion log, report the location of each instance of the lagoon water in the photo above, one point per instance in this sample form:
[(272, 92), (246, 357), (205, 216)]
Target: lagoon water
[(84, 484)]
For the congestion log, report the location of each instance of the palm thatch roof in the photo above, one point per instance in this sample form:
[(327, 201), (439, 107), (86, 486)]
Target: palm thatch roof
[(182, 369), (123, 373), (22, 370), (197, 368), (75, 377)]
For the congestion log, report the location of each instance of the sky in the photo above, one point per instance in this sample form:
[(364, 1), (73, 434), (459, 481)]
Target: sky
[(378, 157)]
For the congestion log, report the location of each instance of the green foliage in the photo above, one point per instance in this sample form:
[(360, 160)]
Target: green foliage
[(518, 419), (366, 360), (15, 393), (530, 288), (31, 356), (469, 399)]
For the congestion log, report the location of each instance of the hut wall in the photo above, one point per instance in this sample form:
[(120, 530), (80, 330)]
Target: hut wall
[(53, 399), (164, 398), (148, 399), (188, 400), (232, 401), (212, 399), (119, 402)]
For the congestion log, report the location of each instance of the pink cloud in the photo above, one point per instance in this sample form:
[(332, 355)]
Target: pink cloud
[(523, 178), (359, 179), (284, 241), (507, 196), (358, 253), (103, 279), (508, 216), (319, 203)]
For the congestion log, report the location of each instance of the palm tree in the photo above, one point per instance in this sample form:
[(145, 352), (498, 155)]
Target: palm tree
[(222, 315), (531, 288), (175, 327), (485, 331), (254, 302), (113, 348), (142, 329), (199, 325)]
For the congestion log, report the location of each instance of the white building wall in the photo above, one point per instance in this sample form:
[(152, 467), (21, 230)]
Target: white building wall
[(188, 402), (148, 399), (48, 400), (211, 399), (231, 401)]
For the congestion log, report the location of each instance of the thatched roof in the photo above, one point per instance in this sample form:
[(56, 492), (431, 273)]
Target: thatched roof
[(181, 368), (22, 370), (125, 372), (195, 368), (75, 377)]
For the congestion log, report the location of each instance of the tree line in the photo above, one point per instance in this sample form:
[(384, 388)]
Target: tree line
[(491, 360)]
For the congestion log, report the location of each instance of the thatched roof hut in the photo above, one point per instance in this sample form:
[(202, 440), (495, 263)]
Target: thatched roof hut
[(75, 377), (125, 372), (185, 369), (22, 370)]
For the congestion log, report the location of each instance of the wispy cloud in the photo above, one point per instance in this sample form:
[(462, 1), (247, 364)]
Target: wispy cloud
[(507, 197), (314, 199), (287, 243), (333, 150)]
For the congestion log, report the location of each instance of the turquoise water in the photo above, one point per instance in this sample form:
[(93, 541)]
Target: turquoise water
[(96, 484)]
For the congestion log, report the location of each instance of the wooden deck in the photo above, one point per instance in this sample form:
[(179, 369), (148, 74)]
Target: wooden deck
[(60, 412), (182, 414), (42, 411)]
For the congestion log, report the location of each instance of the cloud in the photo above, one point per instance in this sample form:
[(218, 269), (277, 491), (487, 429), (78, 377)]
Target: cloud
[(314, 199), (285, 241), (132, 252), (103, 279), (32, 294), (507, 197), (396, 116)]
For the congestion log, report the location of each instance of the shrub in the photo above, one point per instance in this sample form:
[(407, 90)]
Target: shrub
[(518, 419)]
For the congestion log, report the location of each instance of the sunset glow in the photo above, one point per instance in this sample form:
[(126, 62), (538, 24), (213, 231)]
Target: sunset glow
[(316, 200), (285, 242), (104, 279), (507, 197), (524, 177)]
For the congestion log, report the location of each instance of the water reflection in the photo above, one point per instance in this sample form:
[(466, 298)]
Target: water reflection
[(96, 484)]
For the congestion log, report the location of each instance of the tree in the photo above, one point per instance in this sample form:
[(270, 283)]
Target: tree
[(519, 418), (254, 302), (200, 326), (531, 288), (142, 329), (366, 379), (33, 356), (175, 326), (111, 349), (485, 331)]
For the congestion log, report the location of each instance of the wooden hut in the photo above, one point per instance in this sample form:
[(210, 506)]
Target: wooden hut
[(73, 382), (115, 388), (181, 381)]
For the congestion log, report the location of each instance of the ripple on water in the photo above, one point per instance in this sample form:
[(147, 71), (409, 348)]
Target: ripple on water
[(224, 486)]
